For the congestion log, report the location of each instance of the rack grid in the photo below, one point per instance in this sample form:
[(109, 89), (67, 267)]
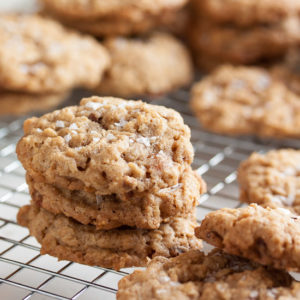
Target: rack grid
[(25, 274)]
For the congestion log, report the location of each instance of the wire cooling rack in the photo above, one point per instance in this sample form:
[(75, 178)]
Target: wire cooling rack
[(25, 274)]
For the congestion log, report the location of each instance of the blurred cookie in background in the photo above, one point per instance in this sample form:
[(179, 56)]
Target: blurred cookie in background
[(16, 104), (249, 100), (107, 18), (242, 32), (149, 65)]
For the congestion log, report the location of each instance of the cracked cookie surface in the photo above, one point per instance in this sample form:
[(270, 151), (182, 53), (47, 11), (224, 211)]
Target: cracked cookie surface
[(249, 100), (38, 55), (272, 179), (216, 276), (107, 145), (119, 248), (264, 235)]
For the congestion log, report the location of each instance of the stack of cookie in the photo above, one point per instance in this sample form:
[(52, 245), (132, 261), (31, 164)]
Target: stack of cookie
[(41, 61), (243, 32), (257, 247), (111, 183), (143, 62)]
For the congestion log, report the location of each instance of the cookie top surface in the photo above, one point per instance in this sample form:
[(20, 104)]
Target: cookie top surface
[(272, 179), (249, 100), (146, 66), (131, 9), (267, 236), (38, 55), (125, 247), (216, 276), (247, 12), (108, 145)]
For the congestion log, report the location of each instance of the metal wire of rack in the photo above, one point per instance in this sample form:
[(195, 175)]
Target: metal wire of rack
[(25, 274)]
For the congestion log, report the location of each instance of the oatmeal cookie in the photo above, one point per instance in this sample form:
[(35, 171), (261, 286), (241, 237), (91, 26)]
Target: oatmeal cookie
[(107, 145), (66, 239), (249, 100), (107, 18), (245, 12), (38, 55), (230, 44), (16, 104), (272, 179), (146, 66), (141, 210), (216, 276), (267, 236)]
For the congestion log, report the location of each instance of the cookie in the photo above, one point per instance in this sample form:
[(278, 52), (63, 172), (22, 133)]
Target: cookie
[(16, 104), (40, 56), (216, 276), (66, 239), (230, 44), (117, 26), (141, 210), (272, 179), (114, 18), (145, 66), (249, 100), (247, 13), (107, 145), (267, 236)]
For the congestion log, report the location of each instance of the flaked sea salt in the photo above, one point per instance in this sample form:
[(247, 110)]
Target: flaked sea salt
[(144, 140), (60, 124), (73, 126), (68, 138), (94, 105), (110, 137)]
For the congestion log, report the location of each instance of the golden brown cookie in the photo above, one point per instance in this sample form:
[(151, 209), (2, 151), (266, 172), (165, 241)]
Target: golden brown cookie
[(272, 179), (249, 100), (245, 12), (13, 103), (231, 44), (107, 145), (146, 66), (107, 18), (267, 236), (216, 276), (119, 248), (136, 209), (38, 55)]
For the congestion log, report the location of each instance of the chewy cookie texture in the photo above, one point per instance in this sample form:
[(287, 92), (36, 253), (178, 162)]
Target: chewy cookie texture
[(107, 145), (109, 18), (267, 236), (249, 100), (215, 276), (66, 239), (272, 179), (95, 169)]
